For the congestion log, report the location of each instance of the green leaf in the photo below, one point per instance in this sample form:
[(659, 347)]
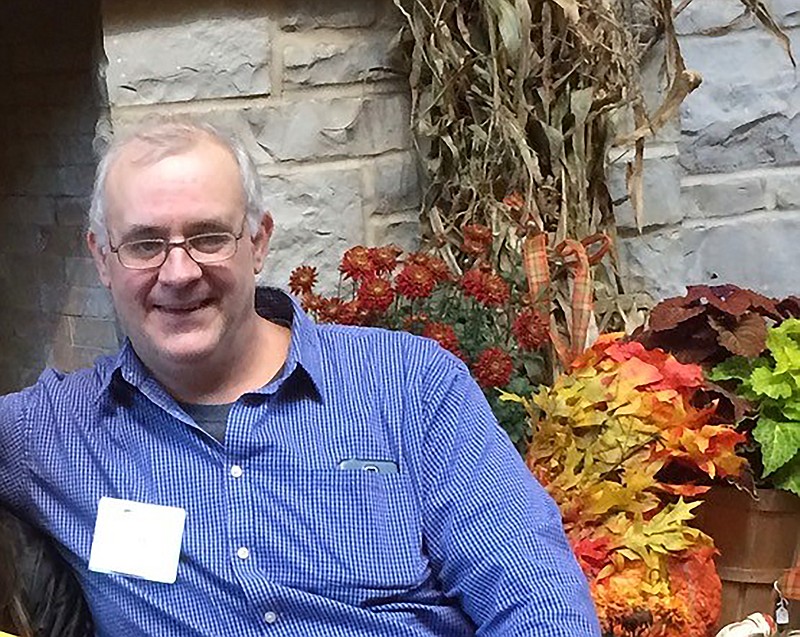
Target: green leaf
[(734, 368), (764, 381), (784, 343), (788, 476), (780, 442)]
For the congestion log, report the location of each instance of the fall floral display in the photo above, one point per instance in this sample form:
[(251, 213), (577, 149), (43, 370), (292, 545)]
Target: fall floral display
[(607, 437), (479, 314)]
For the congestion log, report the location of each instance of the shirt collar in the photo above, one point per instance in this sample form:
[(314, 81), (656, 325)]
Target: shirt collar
[(272, 304)]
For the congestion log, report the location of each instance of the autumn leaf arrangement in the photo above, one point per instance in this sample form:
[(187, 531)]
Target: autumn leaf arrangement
[(748, 344), (608, 438), (481, 315)]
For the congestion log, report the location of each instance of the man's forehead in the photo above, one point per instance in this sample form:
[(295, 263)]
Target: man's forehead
[(146, 152)]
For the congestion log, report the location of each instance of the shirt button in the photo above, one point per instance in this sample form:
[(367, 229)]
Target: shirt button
[(243, 552), (236, 471), (270, 617)]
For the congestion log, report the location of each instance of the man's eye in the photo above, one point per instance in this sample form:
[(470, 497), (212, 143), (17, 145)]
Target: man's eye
[(210, 243), (144, 249)]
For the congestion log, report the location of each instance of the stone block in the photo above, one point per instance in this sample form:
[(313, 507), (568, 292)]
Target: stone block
[(66, 241), (81, 272), (337, 57), (301, 15), (88, 302), (661, 191), (199, 59), (95, 333), (312, 129), (756, 251), (72, 211), (401, 229), (787, 12), (67, 357), (784, 188), (723, 195), (394, 183), (28, 209), (22, 238), (700, 17), (744, 114), (318, 215)]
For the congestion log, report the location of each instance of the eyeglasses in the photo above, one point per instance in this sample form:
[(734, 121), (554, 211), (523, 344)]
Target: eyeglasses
[(203, 249)]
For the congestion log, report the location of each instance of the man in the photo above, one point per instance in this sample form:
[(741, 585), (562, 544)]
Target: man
[(228, 474)]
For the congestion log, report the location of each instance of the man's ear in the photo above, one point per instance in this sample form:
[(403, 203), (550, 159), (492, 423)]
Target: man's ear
[(261, 241), (99, 256)]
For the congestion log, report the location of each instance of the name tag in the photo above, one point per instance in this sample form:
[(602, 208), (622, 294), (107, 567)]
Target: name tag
[(137, 539)]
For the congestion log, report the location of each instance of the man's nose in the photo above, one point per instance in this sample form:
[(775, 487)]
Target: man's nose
[(179, 268)]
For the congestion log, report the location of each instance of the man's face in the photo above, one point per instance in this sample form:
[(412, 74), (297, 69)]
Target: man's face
[(181, 312)]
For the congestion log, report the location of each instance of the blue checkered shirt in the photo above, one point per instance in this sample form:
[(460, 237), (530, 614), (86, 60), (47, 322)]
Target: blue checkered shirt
[(460, 540)]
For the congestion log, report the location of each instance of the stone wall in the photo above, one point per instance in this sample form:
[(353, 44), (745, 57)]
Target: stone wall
[(311, 89), (723, 196), (52, 309)]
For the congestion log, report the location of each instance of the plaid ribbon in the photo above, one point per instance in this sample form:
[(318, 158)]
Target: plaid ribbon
[(578, 256)]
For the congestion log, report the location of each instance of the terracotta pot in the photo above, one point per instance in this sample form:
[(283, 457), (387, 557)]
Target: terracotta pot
[(757, 541)]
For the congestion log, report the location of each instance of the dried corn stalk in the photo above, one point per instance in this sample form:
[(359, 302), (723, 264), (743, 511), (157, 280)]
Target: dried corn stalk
[(520, 96)]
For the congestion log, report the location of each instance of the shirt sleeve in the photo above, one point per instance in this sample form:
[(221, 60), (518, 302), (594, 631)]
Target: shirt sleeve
[(493, 534), (13, 450)]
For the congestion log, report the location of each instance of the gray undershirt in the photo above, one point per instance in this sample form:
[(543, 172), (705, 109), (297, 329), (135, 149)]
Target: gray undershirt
[(213, 419)]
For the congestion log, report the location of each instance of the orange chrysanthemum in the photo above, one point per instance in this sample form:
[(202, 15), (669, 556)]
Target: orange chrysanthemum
[(302, 279), (477, 239), (531, 330), (415, 282), (384, 259), (493, 368), (357, 263), (375, 294), (443, 334)]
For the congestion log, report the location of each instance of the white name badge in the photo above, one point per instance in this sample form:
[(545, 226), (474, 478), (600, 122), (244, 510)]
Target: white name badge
[(137, 539)]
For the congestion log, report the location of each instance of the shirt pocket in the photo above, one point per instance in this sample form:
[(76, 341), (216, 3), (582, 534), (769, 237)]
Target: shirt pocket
[(354, 530)]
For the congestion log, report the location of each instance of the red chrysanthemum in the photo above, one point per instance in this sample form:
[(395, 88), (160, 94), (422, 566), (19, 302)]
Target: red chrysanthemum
[(375, 294), (357, 263), (443, 334), (330, 310), (439, 269), (415, 282), (531, 329), (495, 290), (493, 368), (478, 233), (312, 303), (472, 282), (350, 313), (302, 279), (418, 258), (384, 259), (514, 201)]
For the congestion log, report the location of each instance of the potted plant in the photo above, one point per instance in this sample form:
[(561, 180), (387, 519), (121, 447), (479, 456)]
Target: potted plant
[(746, 342)]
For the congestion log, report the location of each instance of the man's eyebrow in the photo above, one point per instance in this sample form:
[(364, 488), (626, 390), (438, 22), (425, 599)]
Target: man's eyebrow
[(138, 232)]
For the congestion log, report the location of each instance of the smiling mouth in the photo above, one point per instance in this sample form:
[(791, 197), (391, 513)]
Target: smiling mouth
[(181, 310)]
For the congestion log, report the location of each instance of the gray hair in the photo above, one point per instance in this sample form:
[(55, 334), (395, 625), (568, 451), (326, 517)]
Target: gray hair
[(172, 136)]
